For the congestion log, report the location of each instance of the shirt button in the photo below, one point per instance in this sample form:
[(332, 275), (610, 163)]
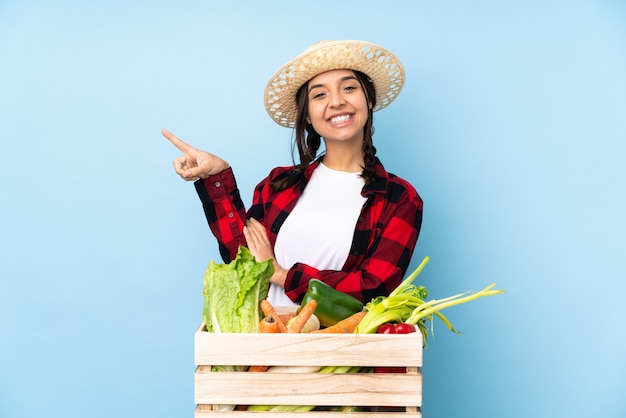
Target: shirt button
[(218, 184), (230, 215), (360, 219)]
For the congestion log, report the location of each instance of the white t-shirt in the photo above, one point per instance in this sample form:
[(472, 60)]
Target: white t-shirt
[(319, 230)]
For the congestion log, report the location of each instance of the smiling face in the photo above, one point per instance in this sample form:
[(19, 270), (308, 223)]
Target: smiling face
[(337, 107)]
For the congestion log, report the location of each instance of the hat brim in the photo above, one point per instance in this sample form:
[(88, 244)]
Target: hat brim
[(381, 66)]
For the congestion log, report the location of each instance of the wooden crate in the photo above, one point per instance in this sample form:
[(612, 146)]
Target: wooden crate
[(385, 394)]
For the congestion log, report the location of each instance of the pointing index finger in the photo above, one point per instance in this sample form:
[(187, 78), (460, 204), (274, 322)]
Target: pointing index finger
[(177, 142)]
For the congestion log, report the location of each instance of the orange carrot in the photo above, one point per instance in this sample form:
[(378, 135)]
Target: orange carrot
[(345, 326), (286, 317), (268, 310), (298, 322), (268, 324), (258, 369)]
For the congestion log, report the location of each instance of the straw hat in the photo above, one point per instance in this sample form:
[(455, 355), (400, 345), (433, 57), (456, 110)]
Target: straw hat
[(380, 65)]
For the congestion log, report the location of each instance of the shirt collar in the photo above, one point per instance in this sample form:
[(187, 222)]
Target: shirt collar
[(379, 185)]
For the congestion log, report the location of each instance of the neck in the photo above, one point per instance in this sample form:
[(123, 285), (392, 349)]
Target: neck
[(348, 160)]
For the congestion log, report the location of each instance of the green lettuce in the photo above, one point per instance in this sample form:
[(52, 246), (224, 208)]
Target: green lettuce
[(233, 292)]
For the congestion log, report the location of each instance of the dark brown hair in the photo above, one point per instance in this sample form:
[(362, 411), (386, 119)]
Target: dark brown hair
[(308, 141)]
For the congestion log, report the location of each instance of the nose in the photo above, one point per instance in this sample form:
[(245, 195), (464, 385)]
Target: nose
[(336, 99)]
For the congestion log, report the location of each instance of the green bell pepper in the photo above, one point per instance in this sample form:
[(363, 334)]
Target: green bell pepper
[(332, 304)]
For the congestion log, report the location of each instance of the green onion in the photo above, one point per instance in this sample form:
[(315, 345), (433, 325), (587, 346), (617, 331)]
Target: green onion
[(406, 304)]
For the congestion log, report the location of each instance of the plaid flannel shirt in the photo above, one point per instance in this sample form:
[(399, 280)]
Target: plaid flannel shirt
[(384, 238)]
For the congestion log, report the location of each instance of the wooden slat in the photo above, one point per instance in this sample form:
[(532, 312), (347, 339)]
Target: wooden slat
[(308, 349), (362, 389)]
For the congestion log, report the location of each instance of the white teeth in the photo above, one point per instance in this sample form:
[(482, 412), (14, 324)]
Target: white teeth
[(339, 119)]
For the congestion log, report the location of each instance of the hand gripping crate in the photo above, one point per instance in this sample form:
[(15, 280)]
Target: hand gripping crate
[(384, 394)]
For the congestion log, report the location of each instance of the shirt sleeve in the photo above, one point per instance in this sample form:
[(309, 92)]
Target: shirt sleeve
[(381, 268), (224, 211)]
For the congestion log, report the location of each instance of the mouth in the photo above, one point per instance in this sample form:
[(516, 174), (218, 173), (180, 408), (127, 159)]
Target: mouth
[(340, 118)]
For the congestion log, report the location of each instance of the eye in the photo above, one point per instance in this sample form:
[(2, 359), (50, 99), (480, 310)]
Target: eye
[(318, 95)]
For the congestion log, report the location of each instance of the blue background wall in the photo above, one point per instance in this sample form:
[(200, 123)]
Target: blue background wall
[(511, 126)]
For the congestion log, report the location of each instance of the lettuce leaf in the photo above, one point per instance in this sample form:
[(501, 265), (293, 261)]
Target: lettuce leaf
[(233, 292)]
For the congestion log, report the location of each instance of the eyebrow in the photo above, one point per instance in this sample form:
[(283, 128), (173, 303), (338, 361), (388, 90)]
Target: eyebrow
[(348, 77)]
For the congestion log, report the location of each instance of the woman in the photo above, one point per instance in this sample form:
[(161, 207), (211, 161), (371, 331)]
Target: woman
[(339, 217)]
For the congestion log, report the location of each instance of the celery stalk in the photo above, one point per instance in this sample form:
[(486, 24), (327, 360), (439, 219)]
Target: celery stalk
[(409, 280), (406, 304), (291, 408), (437, 305)]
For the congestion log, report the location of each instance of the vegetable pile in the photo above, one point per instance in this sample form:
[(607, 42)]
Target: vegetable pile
[(235, 301)]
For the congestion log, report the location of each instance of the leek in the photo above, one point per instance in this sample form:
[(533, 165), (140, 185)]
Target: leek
[(407, 304)]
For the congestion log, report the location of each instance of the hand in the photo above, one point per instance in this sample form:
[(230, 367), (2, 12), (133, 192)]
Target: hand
[(260, 247), (194, 163)]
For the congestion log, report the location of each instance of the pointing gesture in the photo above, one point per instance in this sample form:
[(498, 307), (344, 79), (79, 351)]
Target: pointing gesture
[(194, 163)]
